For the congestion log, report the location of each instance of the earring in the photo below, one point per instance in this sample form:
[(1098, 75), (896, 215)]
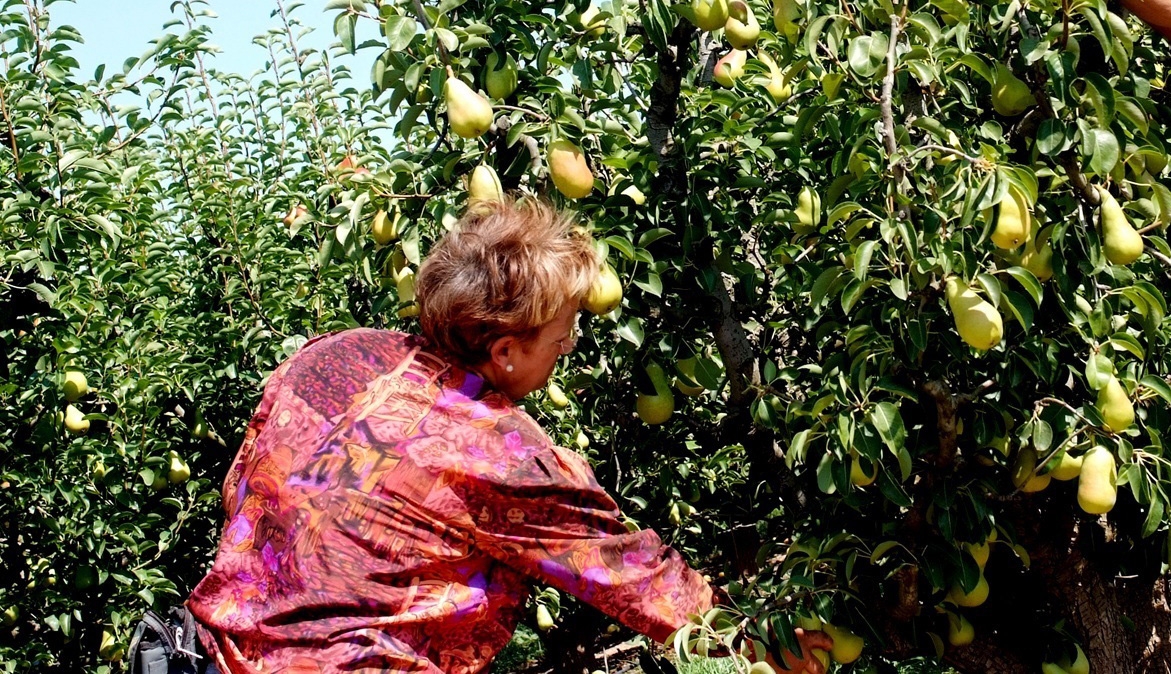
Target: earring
[(508, 368)]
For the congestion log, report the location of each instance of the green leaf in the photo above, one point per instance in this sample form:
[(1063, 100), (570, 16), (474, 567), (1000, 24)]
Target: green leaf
[(343, 28), (1154, 518), (400, 31), (631, 330), (1051, 137), (1158, 386), (1021, 308), (1099, 371), (1029, 282)]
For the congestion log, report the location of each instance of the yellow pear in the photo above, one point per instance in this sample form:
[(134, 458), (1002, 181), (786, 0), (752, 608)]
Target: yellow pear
[(1068, 467), (605, 294), (730, 68), (75, 385), (1038, 261), (786, 13), (1013, 222), (500, 76), (976, 597), (1051, 668), (709, 15), (630, 190), (808, 211), (178, 471), (847, 645), (75, 421), (582, 440), (858, 475), (763, 668), (468, 113), (1097, 487), (686, 382), (777, 86), (1121, 242), (384, 228), (590, 25), (544, 618), (484, 185), (657, 408), (1115, 407), (1024, 475), (977, 321), (1080, 664), (741, 28), (960, 631), (1010, 95), (557, 396), (567, 166), (979, 552)]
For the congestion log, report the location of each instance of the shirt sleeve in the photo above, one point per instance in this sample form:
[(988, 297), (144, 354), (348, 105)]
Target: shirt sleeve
[(550, 519)]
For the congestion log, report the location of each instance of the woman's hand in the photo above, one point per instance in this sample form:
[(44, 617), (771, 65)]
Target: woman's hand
[(806, 661)]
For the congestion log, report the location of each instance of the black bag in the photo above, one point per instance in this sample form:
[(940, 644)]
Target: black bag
[(166, 645)]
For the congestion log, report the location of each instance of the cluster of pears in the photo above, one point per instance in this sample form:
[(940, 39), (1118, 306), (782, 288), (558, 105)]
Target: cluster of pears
[(74, 388), (980, 552), (403, 276), (847, 646), (1095, 471), (656, 408), (1014, 226)]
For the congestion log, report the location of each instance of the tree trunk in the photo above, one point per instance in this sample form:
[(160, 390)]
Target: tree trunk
[(1112, 600)]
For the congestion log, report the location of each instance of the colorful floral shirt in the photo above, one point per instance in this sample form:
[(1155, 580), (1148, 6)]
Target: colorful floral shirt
[(388, 512)]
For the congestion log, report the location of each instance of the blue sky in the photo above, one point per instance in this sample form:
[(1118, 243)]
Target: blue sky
[(115, 30)]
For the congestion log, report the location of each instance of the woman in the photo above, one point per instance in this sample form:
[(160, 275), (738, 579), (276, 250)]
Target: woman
[(391, 505)]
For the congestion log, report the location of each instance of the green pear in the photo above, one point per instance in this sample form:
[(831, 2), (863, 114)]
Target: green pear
[(1068, 467), (1080, 664), (1013, 222), (1010, 95), (484, 185), (1115, 407), (75, 385), (75, 421), (1097, 487), (776, 85), (385, 227), (976, 597), (556, 396), (405, 284), (858, 475), (786, 14), (569, 170), (500, 76), (686, 382), (980, 552), (1051, 668), (544, 618), (1121, 242), (730, 68), (960, 631), (657, 408), (178, 471), (977, 321), (631, 190), (847, 645), (589, 24), (808, 211), (605, 294), (468, 113), (1038, 261), (741, 28), (709, 15)]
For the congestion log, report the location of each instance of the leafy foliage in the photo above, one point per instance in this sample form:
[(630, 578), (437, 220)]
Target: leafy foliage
[(790, 259)]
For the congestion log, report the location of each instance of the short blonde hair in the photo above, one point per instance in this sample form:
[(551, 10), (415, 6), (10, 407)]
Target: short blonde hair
[(506, 269)]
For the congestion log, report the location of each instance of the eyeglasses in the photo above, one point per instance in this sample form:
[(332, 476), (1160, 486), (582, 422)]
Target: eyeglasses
[(567, 345)]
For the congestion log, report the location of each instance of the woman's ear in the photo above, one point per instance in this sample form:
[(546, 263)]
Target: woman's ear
[(501, 351)]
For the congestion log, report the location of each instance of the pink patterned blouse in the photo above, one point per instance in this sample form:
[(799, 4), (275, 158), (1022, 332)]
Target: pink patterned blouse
[(388, 512)]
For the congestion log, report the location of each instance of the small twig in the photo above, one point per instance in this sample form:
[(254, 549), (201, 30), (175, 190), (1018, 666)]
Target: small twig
[(1151, 227), (949, 150), (1158, 256), (534, 113)]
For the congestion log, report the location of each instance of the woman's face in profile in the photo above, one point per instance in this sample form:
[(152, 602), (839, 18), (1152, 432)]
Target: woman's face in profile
[(536, 358)]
